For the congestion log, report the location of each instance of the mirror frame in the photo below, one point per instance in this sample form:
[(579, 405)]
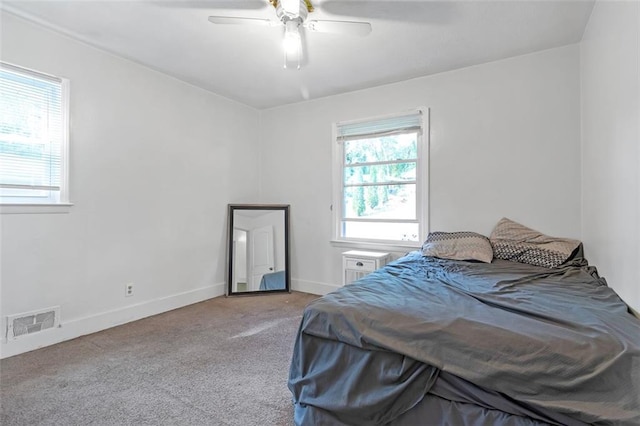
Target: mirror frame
[(274, 207)]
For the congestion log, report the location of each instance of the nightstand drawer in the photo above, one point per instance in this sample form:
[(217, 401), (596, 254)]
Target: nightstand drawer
[(360, 264), (356, 264)]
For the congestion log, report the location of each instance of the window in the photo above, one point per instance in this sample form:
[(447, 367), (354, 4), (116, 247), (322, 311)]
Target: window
[(380, 179), (33, 137)]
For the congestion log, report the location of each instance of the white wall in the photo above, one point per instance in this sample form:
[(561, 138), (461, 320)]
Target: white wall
[(505, 141), (154, 162), (611, 145)]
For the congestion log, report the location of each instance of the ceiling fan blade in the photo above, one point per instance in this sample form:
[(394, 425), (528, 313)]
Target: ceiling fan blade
[(340, 27), (239, 21), (214, 4)]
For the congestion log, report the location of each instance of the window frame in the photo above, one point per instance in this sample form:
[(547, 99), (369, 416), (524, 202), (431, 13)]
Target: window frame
[(62, 205), (422, 186)]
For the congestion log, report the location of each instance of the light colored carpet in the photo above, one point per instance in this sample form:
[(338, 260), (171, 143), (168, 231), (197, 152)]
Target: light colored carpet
[(220, 362)]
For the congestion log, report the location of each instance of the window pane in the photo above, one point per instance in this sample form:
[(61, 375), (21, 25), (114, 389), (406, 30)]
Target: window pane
[(381, 173), (31, 135), (386, 148), (380, 202), (378, 162), (27, 163), (381, 231)]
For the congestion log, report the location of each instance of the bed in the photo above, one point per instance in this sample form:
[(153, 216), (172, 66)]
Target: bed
[(273, 281), (433, 341)]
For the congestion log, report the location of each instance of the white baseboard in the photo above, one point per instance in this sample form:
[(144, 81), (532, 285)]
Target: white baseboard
[(82, 326), (312, 287)]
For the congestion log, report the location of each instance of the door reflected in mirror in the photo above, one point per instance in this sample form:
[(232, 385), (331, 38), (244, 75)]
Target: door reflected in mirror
[(258, 251)]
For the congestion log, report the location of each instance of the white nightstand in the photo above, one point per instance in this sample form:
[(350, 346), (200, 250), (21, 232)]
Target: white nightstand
[(356, 264)]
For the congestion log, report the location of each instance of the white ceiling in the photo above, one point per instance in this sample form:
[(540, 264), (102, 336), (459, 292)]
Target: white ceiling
[(409, 39)]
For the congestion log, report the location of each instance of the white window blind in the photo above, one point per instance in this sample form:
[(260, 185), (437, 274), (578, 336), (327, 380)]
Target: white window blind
[(32, 136), (382, 127)]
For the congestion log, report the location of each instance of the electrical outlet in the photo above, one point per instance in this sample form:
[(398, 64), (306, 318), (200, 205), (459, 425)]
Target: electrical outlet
[(128, 290)]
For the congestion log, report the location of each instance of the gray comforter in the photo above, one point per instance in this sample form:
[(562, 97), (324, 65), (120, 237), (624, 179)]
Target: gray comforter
[(553, 345)]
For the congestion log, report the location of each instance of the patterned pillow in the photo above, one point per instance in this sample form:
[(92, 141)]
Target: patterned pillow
[(516, 242), (458, 246)]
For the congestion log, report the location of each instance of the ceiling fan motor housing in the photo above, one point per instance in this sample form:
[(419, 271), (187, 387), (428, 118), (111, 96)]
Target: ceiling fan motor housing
[(287, 10)]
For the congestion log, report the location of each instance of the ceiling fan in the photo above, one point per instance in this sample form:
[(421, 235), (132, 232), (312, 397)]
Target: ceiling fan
[(292, 15)]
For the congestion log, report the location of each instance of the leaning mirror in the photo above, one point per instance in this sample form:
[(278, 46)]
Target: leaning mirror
[(258, 250)]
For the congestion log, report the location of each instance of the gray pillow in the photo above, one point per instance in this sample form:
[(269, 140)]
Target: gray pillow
[(515, 242), (458, 246)]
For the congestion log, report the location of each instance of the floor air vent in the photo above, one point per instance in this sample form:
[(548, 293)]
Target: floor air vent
[(32, 322)]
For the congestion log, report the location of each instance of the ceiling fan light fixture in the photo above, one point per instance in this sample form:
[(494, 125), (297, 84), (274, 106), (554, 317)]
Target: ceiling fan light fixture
[(292, 43)]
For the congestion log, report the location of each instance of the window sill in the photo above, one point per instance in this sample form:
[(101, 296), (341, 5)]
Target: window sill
[(391, 247), (35, 208)]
